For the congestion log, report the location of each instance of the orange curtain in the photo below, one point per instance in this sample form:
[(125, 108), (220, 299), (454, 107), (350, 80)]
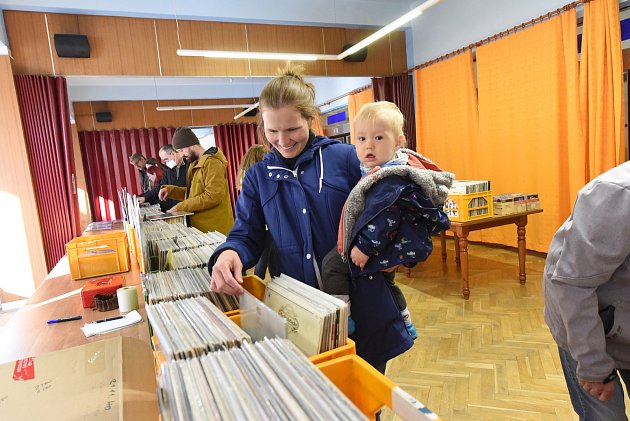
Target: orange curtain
[(355, 102), (529, 137), (446, 114), (601, 87)]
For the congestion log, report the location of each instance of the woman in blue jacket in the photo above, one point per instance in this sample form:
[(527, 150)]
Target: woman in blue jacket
[(298, 192)]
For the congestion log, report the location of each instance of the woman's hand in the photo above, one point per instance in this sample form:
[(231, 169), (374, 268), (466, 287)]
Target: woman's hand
[(227, 274)]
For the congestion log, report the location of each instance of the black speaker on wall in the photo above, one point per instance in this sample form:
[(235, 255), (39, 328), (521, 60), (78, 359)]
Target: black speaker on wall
[(104, 117), (359, 56), (72, 45), (251, 113)]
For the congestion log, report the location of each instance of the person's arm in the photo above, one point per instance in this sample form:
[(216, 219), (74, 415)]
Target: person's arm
[(174, 192), (596, 243), (244, 244), (215, 183)]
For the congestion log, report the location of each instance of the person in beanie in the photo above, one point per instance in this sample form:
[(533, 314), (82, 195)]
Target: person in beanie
[(206, 194)]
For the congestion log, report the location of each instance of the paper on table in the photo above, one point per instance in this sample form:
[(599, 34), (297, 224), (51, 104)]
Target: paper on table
[(131, 318)]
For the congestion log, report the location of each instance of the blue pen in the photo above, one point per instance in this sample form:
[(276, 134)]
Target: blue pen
[(64, 319)]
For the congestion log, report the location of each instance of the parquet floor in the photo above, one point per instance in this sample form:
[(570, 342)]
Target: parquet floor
[(489, 358)]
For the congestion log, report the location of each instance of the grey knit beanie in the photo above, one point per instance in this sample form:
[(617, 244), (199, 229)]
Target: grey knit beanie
[(183, 138)]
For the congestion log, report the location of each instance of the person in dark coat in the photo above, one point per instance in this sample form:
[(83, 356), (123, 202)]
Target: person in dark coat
[(298, 191), (177, 168), (390, 215), (139, 161)]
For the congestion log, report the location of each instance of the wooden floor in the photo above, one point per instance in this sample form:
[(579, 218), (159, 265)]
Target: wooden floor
[(489, 358)]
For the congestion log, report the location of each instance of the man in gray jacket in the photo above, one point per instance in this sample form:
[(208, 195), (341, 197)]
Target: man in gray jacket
[(587, 296)]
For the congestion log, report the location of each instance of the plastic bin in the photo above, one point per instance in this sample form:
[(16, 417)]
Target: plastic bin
[(97, 255), (347, 349), (370, 390), (468, 207)]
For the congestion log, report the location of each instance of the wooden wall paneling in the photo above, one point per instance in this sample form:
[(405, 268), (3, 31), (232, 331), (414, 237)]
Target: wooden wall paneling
[(125, 114), (137, 47), (23, 255), (378, 62), (83, 116), (398, 44), (334, 40), (66, 24), (28, 42), (238, 110), (205, 36), (285, 39), (213, 117), (156, 118)]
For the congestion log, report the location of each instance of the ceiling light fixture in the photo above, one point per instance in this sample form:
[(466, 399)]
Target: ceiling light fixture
[(206, 107), (412, 14)]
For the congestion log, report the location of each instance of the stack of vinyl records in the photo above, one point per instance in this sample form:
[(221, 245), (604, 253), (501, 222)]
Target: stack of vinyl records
[(192, 258), (185, 283), (316, 322), (268, 380), (192, 327)]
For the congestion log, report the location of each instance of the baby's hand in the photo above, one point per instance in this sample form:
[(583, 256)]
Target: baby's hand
[(358, 257)]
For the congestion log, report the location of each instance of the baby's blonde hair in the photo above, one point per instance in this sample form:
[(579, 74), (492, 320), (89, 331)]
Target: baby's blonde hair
[(385, 110)]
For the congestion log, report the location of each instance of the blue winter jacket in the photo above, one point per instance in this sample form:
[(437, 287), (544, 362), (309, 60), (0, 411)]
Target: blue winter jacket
[(294, 204)]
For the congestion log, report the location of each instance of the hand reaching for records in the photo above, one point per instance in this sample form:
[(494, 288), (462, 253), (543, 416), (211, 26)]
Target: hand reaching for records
[(227, 274)]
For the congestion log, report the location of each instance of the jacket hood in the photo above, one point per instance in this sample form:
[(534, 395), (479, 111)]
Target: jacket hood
[(212, 153), (433, 182)]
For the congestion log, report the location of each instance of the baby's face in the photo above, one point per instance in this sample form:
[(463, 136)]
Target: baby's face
[(376, 142)]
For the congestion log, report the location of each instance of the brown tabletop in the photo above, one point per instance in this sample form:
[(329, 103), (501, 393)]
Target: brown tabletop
[(462, 229), (27, 334)]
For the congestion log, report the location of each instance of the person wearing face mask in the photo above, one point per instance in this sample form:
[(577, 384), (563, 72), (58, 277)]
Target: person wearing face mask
[(206, 193), (177, 167), (298, 192)]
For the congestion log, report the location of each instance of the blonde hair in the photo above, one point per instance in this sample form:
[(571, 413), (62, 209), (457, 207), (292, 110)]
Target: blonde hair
[(388, 111), (253, 155), (288, 89)]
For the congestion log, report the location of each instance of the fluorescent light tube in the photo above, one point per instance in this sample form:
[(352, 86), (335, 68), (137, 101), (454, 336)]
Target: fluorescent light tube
[(204, 107), (242, 113)]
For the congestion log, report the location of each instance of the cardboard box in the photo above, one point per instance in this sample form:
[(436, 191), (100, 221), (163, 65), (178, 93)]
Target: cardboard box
[(503, 204), (110, 379), (532, 202)]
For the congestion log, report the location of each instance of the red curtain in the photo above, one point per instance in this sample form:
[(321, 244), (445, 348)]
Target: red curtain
[(234, 140), (45, 113), (107, 169), (399, 90)]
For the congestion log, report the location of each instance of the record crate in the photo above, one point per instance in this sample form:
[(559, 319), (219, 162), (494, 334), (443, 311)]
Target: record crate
[(468, 207), (97, 255), (370, 390)]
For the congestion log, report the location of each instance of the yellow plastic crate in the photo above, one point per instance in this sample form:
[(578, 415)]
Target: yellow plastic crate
[(370, 390), (97, 255), (468, 207)]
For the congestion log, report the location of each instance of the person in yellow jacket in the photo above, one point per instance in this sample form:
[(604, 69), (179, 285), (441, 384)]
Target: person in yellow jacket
[(206, 194)]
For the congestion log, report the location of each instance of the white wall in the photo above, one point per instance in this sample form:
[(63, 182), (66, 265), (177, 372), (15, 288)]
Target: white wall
[(453, 24), (315, 12)]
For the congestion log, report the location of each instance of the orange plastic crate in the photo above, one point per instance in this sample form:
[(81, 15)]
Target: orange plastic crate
[(370, 390), (468, 207), (97, 255)]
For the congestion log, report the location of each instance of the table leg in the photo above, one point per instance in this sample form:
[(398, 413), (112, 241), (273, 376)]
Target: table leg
[(457, 258), (520, 231), (463, 252), (443, 245)]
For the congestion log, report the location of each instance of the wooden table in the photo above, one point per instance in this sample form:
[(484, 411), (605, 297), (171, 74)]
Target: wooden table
[(462, 229), (27, 334)]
